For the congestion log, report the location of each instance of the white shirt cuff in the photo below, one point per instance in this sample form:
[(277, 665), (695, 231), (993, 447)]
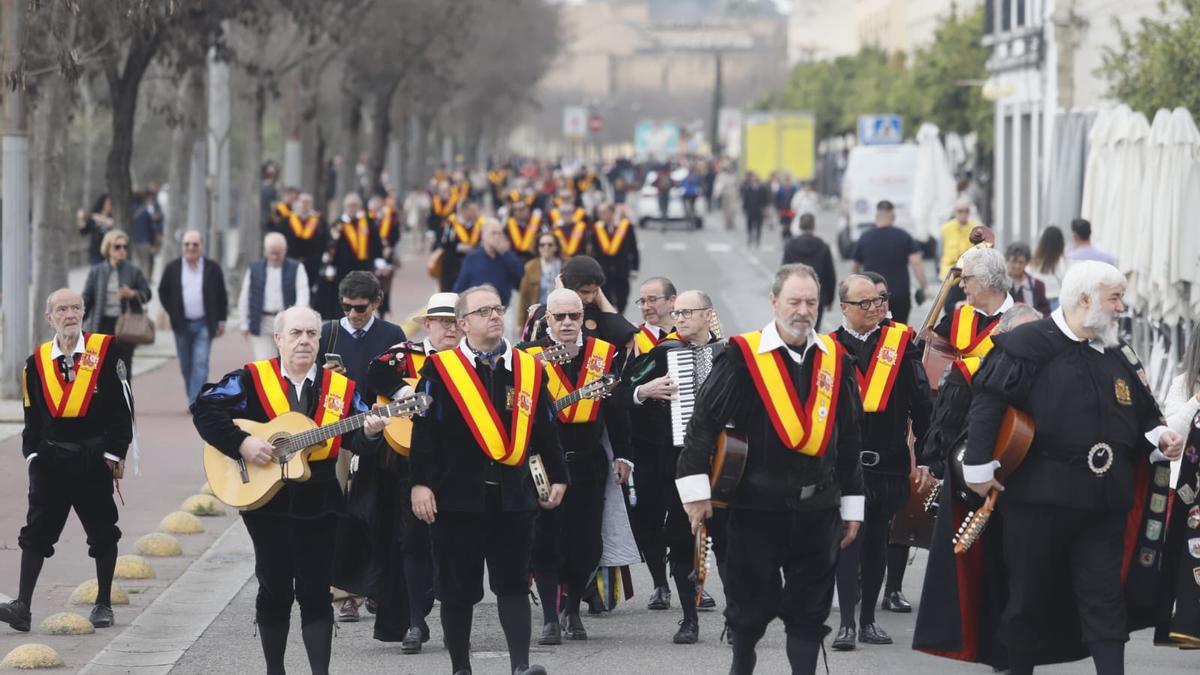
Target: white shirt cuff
[(1157, 456), (30, 457), (980, 473), (1155, 434), (637, 399), (693, 488), (112, 457), (626, 462), (402, 392), (853, 507), (380, 263)]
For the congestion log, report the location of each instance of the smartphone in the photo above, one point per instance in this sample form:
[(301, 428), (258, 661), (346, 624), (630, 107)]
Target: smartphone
[(335, 360)]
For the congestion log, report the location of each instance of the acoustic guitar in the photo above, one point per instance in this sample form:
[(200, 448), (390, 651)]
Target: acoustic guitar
[(294, 437), (398, 432), (595, 389), (1012, 444), (728, 465)]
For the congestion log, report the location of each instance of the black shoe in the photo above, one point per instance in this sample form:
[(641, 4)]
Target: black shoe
[(372, 606), (551, 634), (896, 602), (845, 640), (572, 627), (529, 670), (706, 601), (101, 616), (411, 644), (688, 633), (16, 614), (873, 634), (660, 598)]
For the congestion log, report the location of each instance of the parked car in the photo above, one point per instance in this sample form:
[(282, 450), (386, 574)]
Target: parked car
[(677, 209)]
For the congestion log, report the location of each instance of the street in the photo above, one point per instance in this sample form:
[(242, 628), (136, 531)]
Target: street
[(629, 640)]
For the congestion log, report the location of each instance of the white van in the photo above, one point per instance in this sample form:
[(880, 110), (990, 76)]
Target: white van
[(875, 173)]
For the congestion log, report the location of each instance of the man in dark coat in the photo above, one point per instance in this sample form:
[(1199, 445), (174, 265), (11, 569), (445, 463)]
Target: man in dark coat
[(811, 250), (192, 290)]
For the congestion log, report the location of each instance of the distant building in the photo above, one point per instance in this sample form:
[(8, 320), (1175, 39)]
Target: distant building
[(903, 26), (820, 30)]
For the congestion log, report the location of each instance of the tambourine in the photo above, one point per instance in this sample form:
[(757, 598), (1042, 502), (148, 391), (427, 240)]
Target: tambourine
[(540, 480)]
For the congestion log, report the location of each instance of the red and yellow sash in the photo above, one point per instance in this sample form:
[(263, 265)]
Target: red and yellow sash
[(72, 399), (283, 210), (462, 191), (468, 237), (387, 221), (304, 229), (523, 239), (443, 209), (579, 215), (876, 384), (644, 340), (497, 177), (358, 237), (415, 361), (570, 246), (611, 245), (968, 366), (965, 334), (337, 395), (807, 429), (597, 360), (505, 444)]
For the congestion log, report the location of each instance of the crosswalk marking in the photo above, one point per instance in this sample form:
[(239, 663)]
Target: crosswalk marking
[(675, 246), (718, 247)]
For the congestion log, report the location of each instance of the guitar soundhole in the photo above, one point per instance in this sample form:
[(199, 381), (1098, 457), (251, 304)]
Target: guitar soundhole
[(279, 441)]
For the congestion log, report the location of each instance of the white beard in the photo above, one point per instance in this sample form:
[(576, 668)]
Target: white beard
[(1104, 323)]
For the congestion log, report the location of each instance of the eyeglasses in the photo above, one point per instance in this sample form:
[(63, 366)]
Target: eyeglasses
[(445, 321), (189, 244), (119, 247), (361, 309), (563, 316), (649, 300), (485, 312), (547, 244), (966, 277), (869, 302), (686, 313)]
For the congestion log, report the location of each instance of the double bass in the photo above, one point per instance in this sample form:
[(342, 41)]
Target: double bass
[(913, 526)]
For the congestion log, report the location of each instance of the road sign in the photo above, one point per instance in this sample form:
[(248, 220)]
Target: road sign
[(880, 129), (575, 120), (595, 123)]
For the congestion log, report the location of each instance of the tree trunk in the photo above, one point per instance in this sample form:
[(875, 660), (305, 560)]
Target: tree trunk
[(251, 228), (351, 118), (381, 116), (89, 141), (51, 229), (183, 139), (123, 88)]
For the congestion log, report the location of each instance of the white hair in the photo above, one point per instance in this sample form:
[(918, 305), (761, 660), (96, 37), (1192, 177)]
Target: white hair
[(563, 295), (274, 236), (988, 266), (282, 317), (1088, 277)]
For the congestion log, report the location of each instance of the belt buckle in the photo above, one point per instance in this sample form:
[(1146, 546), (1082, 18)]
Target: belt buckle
[(868, 455), (808, 491), (1100, 458), (570, 455)]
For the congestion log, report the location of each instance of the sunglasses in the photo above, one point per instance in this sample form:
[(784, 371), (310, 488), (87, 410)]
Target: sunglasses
[(119, 247), (361, 309), (563, 316)]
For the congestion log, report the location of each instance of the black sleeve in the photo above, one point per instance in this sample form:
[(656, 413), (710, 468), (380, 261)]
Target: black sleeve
[(89, 294), (142, 287), (545, 440), (719, 400), (357, 440), (614, 328), (947, 422), (849, 432), (115, 411), (1003, 380), (34, 409), (164, 286), (635, 255), (828, 276), (943, 326), (221, 294), (920, 396), (422, 458), (214, 411)]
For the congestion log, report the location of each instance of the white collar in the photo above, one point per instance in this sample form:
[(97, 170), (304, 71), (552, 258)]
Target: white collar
[(1004, 306), (345, 324), (310, 376), (1060, 320), (656, 330), (428, 346), (578, 338), (861, 337), (80, 347), (770, 341), (471, 355)]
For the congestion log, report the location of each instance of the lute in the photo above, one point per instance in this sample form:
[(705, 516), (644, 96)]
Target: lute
[(294, 437)]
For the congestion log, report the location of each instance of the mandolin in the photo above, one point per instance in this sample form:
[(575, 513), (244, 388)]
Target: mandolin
[(1012, 444), (701, 546), (294, 437)]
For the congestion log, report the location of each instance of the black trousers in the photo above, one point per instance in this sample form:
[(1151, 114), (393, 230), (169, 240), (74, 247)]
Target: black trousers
[(388, 559), (463, 542), (754, 225), (567, 539), (1051, 548), (866, 557), (901, 306), (801, 544), (417, 550), (616, 289), (52, 495), (293, 560), (655, 490)]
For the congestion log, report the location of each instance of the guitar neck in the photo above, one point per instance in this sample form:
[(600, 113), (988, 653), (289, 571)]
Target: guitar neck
[(342, 426), (568, 400)]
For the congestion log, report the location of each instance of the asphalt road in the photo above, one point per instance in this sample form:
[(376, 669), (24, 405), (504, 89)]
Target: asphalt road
[(633, 639)]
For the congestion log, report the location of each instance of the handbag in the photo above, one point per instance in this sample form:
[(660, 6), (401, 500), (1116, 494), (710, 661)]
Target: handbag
[(434, 266), (134, 327)]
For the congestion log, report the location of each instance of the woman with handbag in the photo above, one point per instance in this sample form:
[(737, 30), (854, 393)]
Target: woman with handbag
[(115, 298), (540, 273)]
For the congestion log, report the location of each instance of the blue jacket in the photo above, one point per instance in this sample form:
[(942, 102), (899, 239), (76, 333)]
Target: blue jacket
[(503, 272)]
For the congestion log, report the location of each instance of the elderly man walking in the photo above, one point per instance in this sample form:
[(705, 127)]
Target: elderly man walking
[(270, 286), (192, 290), (493, 263)]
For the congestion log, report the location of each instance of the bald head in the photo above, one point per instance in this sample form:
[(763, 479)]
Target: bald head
[(693, 315), (275, 248), (494, 240), (64, 313), (193, 245)]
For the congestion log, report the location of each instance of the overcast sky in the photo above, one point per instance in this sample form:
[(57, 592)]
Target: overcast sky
[(785, 6)]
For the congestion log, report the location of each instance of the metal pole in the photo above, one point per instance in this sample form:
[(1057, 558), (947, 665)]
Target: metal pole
[(14, 146)]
